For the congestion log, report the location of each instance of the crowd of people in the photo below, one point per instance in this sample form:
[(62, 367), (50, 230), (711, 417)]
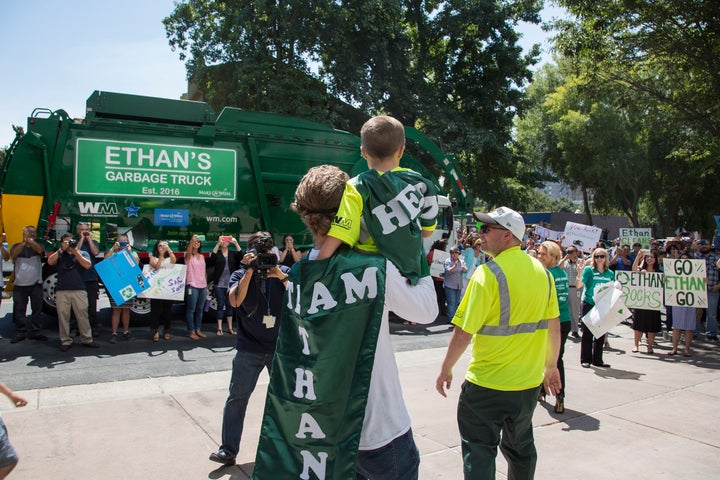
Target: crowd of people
[(515, 298)]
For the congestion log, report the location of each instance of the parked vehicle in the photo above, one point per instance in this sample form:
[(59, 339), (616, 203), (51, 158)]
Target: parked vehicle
[(154, 168)]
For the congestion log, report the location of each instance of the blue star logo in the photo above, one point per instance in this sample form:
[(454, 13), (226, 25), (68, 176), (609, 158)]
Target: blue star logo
[(132, 210)]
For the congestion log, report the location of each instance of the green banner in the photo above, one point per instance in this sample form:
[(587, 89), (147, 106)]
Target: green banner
[(321, 372), (134, 169), (396, 205)]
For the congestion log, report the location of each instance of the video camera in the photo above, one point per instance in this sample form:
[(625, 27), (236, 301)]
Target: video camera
[(265, 259)]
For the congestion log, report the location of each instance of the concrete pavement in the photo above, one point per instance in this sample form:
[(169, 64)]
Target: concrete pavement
[(648, 416)]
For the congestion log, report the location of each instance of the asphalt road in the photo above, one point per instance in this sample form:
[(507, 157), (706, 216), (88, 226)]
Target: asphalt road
[(32, 364)]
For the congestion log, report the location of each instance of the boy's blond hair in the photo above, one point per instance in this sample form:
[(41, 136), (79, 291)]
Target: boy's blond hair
[(381, 137), (318, 196)]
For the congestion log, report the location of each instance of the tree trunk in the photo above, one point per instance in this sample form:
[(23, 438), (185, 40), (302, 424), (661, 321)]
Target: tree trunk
[(586, 205)]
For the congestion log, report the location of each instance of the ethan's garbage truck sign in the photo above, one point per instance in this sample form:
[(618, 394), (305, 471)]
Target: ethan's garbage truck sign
[(132, 169)]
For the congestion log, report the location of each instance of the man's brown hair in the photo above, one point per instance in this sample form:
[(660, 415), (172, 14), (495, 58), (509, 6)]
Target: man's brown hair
[(318, 196), (381, 137)]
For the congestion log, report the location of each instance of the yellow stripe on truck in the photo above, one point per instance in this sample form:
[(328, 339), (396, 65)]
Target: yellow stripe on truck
[(19, 211)]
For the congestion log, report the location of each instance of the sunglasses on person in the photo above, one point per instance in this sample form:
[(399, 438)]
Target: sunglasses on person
[(486, 228), (598, 256)]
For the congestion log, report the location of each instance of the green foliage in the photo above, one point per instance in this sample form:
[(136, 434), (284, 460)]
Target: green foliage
[(661, 63), (452, 69)]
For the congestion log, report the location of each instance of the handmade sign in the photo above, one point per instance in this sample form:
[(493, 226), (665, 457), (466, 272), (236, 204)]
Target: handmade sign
[(629, 236), (168, 283), (436, 267), (685, 283), (547, 234), (122, 276), (641, 290), (584, 237), (609, 310)]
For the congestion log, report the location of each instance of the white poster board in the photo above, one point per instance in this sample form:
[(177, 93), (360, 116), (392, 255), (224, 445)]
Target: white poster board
[(641, 290), (168, 283), (685, 283), (609, 310), (584, 237), (436, 267), (629, 236), (547, 234)]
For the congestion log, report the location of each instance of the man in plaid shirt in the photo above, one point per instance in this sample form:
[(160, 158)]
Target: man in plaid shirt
[(713, 288)]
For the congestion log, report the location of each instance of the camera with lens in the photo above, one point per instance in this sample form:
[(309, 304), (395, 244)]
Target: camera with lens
[(72, 243), (265, 259)]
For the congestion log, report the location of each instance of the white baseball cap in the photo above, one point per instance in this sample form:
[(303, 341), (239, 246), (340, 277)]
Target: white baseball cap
[(505, 217)]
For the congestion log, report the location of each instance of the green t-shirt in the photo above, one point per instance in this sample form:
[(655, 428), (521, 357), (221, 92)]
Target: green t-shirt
[(562, 287), (591, 278)]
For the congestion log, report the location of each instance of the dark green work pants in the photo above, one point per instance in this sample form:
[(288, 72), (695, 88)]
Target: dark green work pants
[(482, 415)]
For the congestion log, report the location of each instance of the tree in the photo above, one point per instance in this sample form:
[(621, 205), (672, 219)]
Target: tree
[(667, 50), (661, 59), (452, 69), (586, 140)]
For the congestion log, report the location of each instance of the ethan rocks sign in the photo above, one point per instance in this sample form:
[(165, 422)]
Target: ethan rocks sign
[(131, 169)]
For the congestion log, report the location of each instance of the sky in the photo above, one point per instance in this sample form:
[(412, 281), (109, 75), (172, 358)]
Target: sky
[(54, 54)]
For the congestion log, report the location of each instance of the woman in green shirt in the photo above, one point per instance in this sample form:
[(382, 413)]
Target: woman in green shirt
[(549, 254), (591, 349)]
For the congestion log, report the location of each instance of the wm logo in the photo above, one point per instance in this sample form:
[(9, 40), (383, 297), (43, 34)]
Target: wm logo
[(342, 222), (98, 209)]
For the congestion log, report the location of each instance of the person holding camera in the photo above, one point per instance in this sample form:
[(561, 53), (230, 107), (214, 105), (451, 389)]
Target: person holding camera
[(27, 258), (256, 292), (162, 257), (288, 254), (224, 262), (120, 313), (86, 243), (70, 291), (196, 288)]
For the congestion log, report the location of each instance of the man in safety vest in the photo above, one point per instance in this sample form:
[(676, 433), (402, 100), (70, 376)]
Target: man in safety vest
[(510, 312)]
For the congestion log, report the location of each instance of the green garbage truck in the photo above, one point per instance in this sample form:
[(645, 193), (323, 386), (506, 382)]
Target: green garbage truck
[(155, 168)]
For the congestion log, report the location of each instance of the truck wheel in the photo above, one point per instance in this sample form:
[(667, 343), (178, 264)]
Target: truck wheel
[(211, 296), (140, 306), (48, 287)]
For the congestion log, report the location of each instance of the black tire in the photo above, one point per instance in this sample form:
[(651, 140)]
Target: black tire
[(49, 275)]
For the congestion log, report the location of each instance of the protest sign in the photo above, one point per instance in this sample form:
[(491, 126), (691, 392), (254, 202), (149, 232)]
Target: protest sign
[(629, 236), (547, 234), (584, 237), (641, 290), (685, 283), (168, 283), (121, 276), (436, 267), (609, 310)]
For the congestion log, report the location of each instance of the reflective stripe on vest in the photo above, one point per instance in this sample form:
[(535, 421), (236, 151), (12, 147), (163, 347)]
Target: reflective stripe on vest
[(504, 329)]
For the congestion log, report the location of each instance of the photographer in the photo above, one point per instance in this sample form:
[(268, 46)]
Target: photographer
[(70, 291), (256, 291)]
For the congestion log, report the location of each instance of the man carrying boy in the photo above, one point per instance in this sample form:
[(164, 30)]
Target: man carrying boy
[(387, 209), (334, 331)]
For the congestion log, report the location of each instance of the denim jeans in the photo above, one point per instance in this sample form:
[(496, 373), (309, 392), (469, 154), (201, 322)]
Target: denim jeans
[(711, 323), (194, 305), (453, 297), (246, 369), (21, 295), (224, 309), (398, 460)]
